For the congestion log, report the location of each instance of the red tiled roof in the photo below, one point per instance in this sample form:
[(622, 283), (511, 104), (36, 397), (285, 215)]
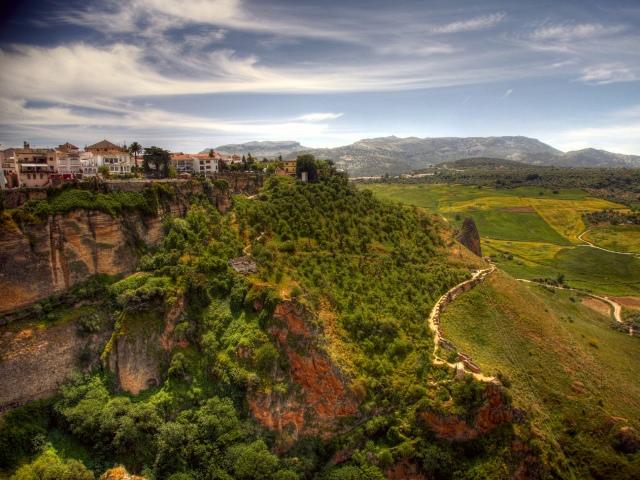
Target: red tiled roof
[(102, 145)]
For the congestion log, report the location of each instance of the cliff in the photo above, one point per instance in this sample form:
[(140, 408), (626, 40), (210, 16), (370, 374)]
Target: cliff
[(42, 258), (35, 359), (495, 411), (470, 237), (321, 396)]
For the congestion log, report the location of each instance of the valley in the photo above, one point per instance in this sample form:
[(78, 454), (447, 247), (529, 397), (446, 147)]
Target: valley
[(247, 308), (536, 233)]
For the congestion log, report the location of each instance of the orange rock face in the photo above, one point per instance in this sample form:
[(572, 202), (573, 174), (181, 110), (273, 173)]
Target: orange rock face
[(119, 473), (405, 470), (44, 258), (321, 394), (492, 414)]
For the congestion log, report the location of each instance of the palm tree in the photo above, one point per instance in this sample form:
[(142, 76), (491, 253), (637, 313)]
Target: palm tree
[(135, 148)]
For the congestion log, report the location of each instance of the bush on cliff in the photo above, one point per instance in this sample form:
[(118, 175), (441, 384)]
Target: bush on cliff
[(49, 466)]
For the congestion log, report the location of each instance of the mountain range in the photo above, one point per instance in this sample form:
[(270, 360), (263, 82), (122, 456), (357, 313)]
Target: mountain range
[(395, 155)]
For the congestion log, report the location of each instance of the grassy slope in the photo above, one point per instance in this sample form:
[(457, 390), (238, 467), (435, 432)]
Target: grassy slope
[(530, 234), (559, 354), (622, 238)]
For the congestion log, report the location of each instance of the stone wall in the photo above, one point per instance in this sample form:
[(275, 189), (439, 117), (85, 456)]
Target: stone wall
[(441, 305)]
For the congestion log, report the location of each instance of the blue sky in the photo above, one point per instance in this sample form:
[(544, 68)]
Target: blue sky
[(191, 74)]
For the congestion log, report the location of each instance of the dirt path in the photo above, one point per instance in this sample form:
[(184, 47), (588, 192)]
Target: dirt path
[(434, 322), (247, 249), (616, 308), (587, 243)]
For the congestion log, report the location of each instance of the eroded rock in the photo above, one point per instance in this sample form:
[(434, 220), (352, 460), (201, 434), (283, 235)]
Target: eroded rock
[(321, 397), (470, 237)]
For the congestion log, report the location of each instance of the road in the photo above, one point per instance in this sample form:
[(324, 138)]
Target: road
[(615, 306), (587, 243)]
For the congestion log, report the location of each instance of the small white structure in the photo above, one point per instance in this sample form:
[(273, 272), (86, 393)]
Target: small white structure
[(68, 159), (116, 158)]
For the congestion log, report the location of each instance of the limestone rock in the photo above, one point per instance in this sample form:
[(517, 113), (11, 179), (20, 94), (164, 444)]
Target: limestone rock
[(323, 395), (470, 237)]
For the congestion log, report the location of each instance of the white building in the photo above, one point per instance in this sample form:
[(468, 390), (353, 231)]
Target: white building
[(196, 163), (68, 159), (116, 158)]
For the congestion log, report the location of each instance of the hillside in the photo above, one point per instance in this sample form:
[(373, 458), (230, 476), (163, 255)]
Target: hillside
[(565, 363), (300, 367), (261, 149), (394, 155)]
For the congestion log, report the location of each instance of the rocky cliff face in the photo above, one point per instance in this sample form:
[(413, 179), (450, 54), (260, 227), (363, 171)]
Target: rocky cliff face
[(141, 345), (35, 359), (38, 260), (321, 395), (470, 237), (495, 411)]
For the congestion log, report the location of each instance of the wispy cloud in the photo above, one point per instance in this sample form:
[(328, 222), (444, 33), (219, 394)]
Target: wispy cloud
[(507, 93), (319, 117), (569, 31), (609, 73), (482, 22)]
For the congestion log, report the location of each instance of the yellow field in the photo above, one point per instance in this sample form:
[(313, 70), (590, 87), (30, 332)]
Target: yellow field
[(621, 238), (533, 232)]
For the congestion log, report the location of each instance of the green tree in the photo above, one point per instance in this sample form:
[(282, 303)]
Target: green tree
[(49, 466), (135, 149), (157, 161), (103, 170), (307, 163)]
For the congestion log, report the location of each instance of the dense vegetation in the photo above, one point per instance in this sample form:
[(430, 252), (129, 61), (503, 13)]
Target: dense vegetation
[(532, 232), (615, 184), (90, 197), (373, 267)]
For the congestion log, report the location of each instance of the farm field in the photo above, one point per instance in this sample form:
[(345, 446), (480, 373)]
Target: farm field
[(533, 233), (622, 238), (564, 362)]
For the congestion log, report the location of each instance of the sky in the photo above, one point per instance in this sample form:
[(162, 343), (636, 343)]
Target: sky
[(190, 74)]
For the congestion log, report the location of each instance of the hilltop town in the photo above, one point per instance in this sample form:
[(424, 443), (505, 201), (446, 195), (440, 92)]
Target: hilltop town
[(45, 167)]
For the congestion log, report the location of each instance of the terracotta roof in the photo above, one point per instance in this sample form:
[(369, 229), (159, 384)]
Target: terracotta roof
[(68, 146), (103, 144)]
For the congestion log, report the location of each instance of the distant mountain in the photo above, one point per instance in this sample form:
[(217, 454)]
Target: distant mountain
[(590, 157), (395, 155), (261, 149)]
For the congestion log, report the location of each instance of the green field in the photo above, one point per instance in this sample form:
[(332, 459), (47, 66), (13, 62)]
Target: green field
[(621, 238), (566, 365), (533, 233)]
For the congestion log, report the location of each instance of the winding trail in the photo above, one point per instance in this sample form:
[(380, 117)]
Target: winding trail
[(247, 249), (587, 243), (434, 323), (616, 308)]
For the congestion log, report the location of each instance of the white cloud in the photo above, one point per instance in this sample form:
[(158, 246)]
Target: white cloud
[(608, 73), (319, 117), (569, 32), (478, 23), (507, 93)]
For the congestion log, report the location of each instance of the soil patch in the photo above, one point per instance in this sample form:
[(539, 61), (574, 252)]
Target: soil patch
[(632, 303), (597, 305)]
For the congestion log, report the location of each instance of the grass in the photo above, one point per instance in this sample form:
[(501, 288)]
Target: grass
[(621, 238), (532, 232), (561, 357), (583, 267)]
